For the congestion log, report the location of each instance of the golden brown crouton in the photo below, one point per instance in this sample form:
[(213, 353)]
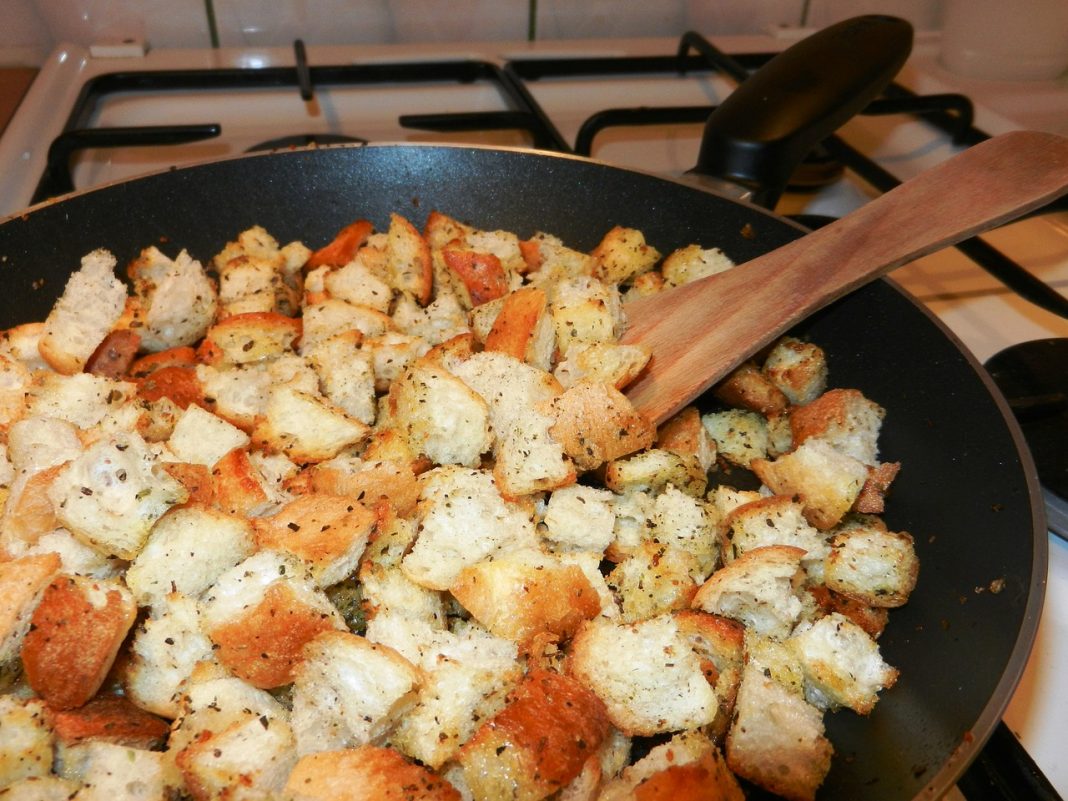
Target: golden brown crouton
[(602, 362), (596, 423), (685, 435), (843, 418), (369, 482), (75, 635), (252, 337), (22, 582), (689, 263), (236, 484), (623, 254), (523, 328), (748, 388), (305, 427), (872, 565), (797, 368), (367, 773), (111, 719), (688, 766), (408, 258)]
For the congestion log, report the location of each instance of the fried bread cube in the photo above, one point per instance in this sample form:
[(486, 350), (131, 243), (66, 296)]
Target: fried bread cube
[(687, 264), (367, 773), (798, 369), (177, 299), (687, 766), (622, 254), (872, 565), (26, 740), (845, 419)]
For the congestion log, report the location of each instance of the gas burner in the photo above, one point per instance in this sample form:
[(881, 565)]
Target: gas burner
[(1033, 376), (306, 140)]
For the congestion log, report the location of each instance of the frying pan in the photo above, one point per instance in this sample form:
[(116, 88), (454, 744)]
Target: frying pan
[(966, 492)]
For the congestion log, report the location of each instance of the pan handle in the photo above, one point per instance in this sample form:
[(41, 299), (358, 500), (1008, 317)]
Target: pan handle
[(1004, 771), (765, 127)]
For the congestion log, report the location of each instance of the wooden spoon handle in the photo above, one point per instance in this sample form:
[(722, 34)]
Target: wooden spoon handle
[(701, 331)]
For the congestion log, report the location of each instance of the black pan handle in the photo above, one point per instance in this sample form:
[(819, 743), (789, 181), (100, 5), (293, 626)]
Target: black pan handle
[(765, 127), (1004, 771)]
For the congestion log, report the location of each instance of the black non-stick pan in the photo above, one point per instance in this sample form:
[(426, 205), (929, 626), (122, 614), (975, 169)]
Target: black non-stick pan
[(966, 491)]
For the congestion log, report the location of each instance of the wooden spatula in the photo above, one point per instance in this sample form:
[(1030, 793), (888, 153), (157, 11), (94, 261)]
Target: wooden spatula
[(701, 331)]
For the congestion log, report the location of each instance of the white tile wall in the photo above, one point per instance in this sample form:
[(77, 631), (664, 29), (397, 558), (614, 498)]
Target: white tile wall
[(33, 27)]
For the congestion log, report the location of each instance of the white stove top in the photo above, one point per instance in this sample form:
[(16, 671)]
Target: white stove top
[(979, 310)]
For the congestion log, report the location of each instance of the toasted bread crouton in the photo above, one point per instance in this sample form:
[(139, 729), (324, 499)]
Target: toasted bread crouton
[(385, 588), (653, 470), (440, 229), (40, 788), (720, 643), (443, 319), (538, 743), (408, 260), (200, 437), (237, 486), (466, 676), (367, 773), (74, 636), (114, 355), (724, 499), (741, 435), (237, 394), (108, 771), (334, 316), (306, 428), (462, 520), (693, 262), (685, 435), (843, 418), (748, 388), (261, 613), (623, 254), (522, 328), (327, 532), (346, 374), (21, 343), (683, 521), (368, 481), (872, 619), (775, 520), (602, 362), (776, 740), (92, 302), (177, 299), (551, 259), (652, 579), (579, 517), (687, 766), (111, 495), (522, 594), (873, 494), (187, 550), (585, 310), (596, 424), (825, 480), (440, 415), (111, 719), (798, 369), (842, 664), (77, 557), (36, 443), (634, 512), (659, 688), (28, 512), (165, 649), (529, 460), (356, 283), (26, 739), (15, 379), (478, 277), (507, 385), (82, 399), (349, 691), (758, 589), (250, 337), (391, 354), (343, 248), (872, 565)]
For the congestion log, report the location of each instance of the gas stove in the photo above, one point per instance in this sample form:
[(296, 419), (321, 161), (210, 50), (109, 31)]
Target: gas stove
[(114, 113)]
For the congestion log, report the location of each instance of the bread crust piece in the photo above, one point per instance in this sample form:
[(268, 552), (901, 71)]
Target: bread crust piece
[(76, 633), (538, 743), (596, 424), (111, 719), (686, 767), (367, 773), (22, 582)]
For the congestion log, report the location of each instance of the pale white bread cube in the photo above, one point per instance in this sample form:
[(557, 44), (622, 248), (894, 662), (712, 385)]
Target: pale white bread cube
[(502, 244), (653, 578), (540, 742), (579, 517), (21, 343), (720, 644), (692, 262), (741, 435), (366, 773), (26, 739), (508, 386), (333, 316), (608, 762), (349, 691), (78, 559), (178, 300), (212, 701), (689, 765), (633, 511), (249, 337), (774, 520), (260, 614), (186, 552), (108, 771), (37, 443), (440, 415), (776, 659), (15, 379), (653, 470), (529, 460), (525, 594), (825, 480), (83, 399), (780, 437), (684, 522), (872, 565), (440, 229), (358, 284), (686, 436), (596, 423), (520, 325), (462, 520), (239, 392), (842, 664), (484, 316), (759, 589), (443, 319), (550, 259), (164, 651), (92, 302), (391, 354), (724, 499), (777, 739), (843, 418), (253, 285), (798, 369), (255, 755), (589, 562), (586, 310), (408, 260), (603, 362), (466, 677), (658, 687), (40, 788), (346, 374), (111, 495), (384, 588), (305, 427), (328, 533), (200, 437), (748, 388), (622, 254)]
